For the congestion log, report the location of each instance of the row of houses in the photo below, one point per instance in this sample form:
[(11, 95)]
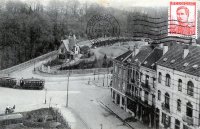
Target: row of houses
[(159, 85)]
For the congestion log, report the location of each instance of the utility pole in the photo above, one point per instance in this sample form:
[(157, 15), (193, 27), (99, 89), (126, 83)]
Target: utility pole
[(107, 75), (103, 78), (94, 75), (34, 65), (67, 89), (45, 100)]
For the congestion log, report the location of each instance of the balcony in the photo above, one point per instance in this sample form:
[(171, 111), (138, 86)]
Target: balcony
[(128, 93), (131, 95), (133, 80), (188, 120), (145, 86), (166, 107)]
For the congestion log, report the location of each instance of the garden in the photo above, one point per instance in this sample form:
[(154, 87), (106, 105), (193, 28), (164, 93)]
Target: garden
[(45, 118)]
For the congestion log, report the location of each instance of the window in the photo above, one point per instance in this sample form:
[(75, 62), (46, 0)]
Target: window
[(165, 59), (136, 91), (123, 101), (153, 99), (137, 76), (168, 80), (147, 80), (189, 109), (159, 77), (166, 120), (190, 88), (154, 82), (159, 95), (172, 61), (195, 66), (186, 127), (177, 124), (146, 95), (167, 98), (163, 117), (141, 75), (179, 85), (113, 94), (178, 105), (185, 64), (133, 77)]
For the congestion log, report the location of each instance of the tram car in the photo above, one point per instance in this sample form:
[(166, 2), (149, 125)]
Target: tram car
[(8, 82), (32, 83)]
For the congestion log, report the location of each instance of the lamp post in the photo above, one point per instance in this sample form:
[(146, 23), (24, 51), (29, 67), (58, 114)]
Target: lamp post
[(45, 99), (67, 89), (34, 65), (103, 79), (89, 81), (101, 126), (107, 75), (98, 74), (94, 75)]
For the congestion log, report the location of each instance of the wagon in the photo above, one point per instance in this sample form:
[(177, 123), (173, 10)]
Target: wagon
[(32, 83), (8, 82)]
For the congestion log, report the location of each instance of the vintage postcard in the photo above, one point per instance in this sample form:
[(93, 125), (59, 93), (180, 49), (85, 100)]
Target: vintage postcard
[(99, 64)]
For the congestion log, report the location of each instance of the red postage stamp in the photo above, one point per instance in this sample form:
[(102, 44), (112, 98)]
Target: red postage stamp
[(183, 19)]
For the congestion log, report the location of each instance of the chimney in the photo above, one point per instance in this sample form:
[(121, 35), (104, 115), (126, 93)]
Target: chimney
[(161, 45), (185, 51), (165, 49), (135, 51)]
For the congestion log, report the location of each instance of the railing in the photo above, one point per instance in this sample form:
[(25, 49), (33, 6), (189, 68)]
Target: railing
[(28, 63), (145, 86), (128, 93), (131, 95), (188, 120), (166, 107)]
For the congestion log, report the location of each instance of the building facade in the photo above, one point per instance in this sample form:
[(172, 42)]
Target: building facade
[(177, 87), (160, 86), (119, 79)]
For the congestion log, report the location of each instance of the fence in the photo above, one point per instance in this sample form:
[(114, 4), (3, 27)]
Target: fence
[(28, 63), (94, 71)]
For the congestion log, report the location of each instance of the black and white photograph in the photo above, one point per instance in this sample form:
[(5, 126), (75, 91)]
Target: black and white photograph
[(99, 64)]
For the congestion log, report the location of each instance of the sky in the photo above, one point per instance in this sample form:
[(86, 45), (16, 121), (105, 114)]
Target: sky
[(120, 4), (123, 4)]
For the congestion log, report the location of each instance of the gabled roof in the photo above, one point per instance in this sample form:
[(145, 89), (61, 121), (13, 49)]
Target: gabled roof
[(124, 56), (142, 54), (150, 61), (173, 59), (66, 43)]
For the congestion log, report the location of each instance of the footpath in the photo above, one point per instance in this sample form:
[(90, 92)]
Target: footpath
[(107, 103), (120, 113)]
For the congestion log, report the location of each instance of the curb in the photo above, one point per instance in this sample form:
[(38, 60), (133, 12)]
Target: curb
[(124, 122), (105, 87)]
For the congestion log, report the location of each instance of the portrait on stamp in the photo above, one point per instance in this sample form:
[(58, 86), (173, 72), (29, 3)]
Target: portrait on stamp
[(182, 19)]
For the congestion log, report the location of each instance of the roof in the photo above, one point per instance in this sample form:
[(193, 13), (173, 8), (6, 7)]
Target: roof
[(7, 78), (150, 61), (66, 43), (124, 56), (33, 79), (142, 54), (11, 116), (173, 59)]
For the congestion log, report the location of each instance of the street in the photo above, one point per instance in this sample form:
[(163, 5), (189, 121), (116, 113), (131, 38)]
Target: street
[(86, 111)]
